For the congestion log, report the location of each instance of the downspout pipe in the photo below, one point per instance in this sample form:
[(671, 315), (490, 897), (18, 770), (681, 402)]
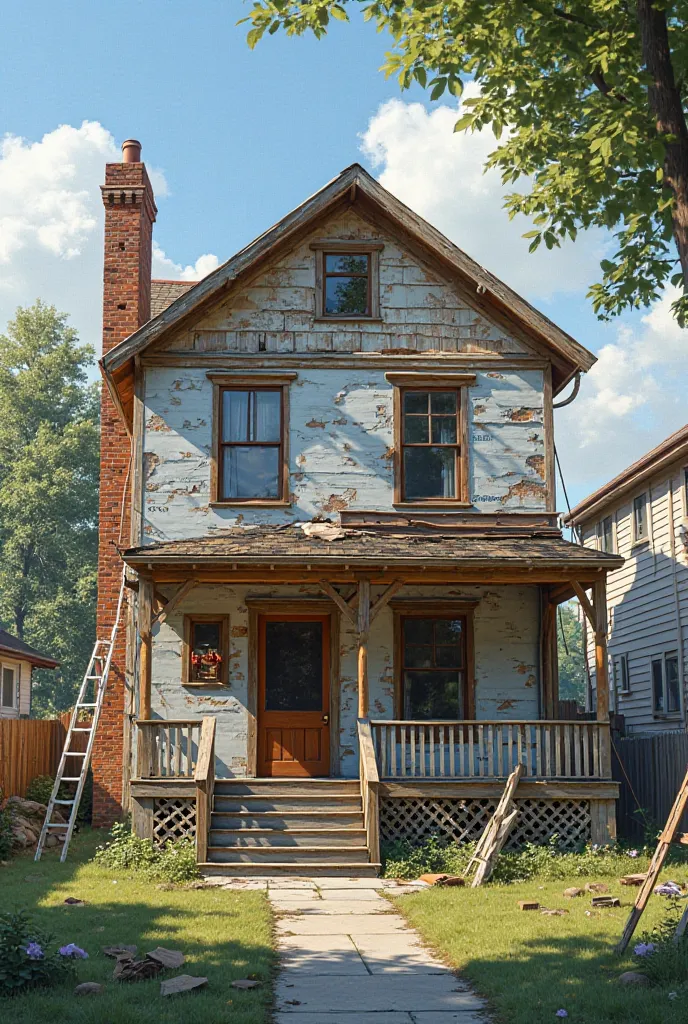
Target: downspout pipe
[(574, 394)]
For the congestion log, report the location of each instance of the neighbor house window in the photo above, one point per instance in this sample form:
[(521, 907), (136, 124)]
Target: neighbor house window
[(606, 535), (640, 518), (622, 683), (8, 691), (433, 667), (205, 650), (347, 279), (431, 445), (250, 431), (666, 685)]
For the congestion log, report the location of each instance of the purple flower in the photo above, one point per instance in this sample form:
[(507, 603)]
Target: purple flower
[(561, 1013), (644, 948), (73, 951), (632, 853), (34, 951)]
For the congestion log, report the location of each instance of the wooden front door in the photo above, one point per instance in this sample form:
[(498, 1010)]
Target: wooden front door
[(293, 695)]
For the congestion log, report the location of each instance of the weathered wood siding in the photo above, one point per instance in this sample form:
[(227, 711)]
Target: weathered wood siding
[(648, 598), (506, 664)]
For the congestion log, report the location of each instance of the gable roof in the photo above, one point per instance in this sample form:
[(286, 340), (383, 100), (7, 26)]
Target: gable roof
[(672, 448), (15, 647), (354, 184)]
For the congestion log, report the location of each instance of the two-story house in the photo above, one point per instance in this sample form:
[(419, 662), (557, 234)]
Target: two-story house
[(641, 515), (329, 470)]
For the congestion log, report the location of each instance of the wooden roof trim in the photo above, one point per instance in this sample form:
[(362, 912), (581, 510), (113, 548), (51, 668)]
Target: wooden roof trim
[(315, 207), (672, 449)]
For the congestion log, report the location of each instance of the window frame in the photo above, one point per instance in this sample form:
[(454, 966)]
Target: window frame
[(404, 609), (341, 247), (459, 382), (222, 382), (15, 669), (645, 538), (661, 659), (190, 621), (621, 669), (611, 550)]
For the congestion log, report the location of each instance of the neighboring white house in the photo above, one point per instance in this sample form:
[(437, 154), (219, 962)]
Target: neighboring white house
[(642, 514), (17, 661)]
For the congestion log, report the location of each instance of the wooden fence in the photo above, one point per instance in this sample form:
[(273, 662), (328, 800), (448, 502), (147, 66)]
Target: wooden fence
[(30, 747), (650, 770)]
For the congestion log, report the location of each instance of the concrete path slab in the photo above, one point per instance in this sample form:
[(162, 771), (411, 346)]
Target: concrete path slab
[(347, 957)]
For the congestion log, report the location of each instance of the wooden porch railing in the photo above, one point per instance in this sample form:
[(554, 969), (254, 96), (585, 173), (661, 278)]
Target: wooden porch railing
[(168, 749), (492, 749), (370, 780), (205, 785)]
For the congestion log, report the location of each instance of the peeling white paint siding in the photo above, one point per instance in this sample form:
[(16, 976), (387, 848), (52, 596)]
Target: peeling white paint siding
[(341, 440), (506, 664)]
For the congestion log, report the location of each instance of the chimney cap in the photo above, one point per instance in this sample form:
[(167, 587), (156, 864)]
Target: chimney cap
[(131, 151)]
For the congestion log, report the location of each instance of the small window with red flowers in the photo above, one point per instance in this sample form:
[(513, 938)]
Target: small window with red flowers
[(205, 653)]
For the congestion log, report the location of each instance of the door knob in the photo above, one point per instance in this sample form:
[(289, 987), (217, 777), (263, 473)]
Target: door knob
[(326, 719)]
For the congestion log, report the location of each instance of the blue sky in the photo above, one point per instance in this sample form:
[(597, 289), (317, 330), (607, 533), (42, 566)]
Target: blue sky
[(243, 136)]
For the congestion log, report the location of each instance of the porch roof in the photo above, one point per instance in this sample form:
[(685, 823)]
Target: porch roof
[(291, 546)]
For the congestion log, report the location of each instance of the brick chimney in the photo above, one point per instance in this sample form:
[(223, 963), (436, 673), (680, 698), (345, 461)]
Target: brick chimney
[(129, 215)]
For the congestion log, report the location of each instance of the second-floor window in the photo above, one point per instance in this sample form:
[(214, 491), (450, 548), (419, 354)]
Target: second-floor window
[(606, 535), (640, 529), (347, 284), (431, 445), (666, 690), (250, 444), (8, 690)]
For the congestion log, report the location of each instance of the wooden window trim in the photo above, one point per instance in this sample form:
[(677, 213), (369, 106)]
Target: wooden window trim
[(635, 540), (459, 382), (249, 382), (15, 668), (661, 657), (600, 534), (189, 621), (434, 610), (332, 246)]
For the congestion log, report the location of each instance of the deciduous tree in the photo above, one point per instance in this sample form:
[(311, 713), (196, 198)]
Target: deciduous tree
[(587, 99)]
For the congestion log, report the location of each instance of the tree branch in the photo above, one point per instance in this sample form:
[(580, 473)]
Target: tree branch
[(600, 83)]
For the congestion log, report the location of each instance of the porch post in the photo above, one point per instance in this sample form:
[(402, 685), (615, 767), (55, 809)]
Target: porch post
[(548, 653), (145, 619), (363, 630), (599, 591)]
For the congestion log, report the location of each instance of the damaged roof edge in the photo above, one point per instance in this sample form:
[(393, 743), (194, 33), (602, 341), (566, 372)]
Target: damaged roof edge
[(533, 320)]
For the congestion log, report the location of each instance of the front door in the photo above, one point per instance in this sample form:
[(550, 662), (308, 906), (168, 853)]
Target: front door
[(293, 695)]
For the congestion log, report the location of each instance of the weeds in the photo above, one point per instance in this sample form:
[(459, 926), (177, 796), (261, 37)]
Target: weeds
[(173, 862)]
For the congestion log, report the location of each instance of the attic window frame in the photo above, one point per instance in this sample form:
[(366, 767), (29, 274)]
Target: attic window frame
[(222, 382), (323, 247)]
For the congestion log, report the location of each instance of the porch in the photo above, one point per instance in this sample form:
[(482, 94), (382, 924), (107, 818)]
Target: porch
[(488, 618)]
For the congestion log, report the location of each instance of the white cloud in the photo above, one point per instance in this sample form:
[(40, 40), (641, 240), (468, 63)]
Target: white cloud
[(633, 397), (51, 224), (164, 267), (439, 174)]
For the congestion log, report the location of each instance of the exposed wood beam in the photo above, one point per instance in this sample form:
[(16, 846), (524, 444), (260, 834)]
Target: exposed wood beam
[(585, 605), (363, 630), (173, 602), (145, 623), (344, 608), (384, 598)]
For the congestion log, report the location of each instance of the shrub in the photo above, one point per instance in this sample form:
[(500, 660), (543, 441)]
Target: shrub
[(548, 862), (174, 862), (24, 958), (5, 830), (40, 788), (657, 955)]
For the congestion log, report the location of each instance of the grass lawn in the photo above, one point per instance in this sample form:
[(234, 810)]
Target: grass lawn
[(529, 965), (225, 935)]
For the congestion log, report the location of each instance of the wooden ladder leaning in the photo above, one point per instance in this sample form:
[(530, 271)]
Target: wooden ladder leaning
[(665, 840), (496, 832), (93, 684)]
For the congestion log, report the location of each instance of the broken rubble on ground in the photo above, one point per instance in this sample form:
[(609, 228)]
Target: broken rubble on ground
[(27, 822), (182, 983), (88, 988)]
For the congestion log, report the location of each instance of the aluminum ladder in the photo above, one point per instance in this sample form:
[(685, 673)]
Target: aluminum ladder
[(95, 679)]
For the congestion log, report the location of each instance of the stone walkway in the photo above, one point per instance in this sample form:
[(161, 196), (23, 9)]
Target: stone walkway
[(347, 958)]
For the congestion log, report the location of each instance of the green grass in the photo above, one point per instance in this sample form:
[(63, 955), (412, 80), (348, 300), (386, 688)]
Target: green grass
[(224, 935), (529, 966)]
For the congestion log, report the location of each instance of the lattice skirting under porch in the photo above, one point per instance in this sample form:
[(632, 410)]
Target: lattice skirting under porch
[(415, 819), (173, 819)]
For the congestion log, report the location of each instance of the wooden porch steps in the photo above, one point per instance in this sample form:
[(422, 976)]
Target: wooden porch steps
[(288, 826)]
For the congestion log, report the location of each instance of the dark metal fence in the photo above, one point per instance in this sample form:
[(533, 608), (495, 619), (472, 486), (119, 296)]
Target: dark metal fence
[(650, 770)]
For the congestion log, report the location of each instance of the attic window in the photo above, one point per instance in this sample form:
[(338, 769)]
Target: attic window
[(347, 279)]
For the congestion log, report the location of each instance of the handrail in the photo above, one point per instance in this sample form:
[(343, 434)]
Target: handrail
[(489, 748), (370, 781), (205, 784)]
